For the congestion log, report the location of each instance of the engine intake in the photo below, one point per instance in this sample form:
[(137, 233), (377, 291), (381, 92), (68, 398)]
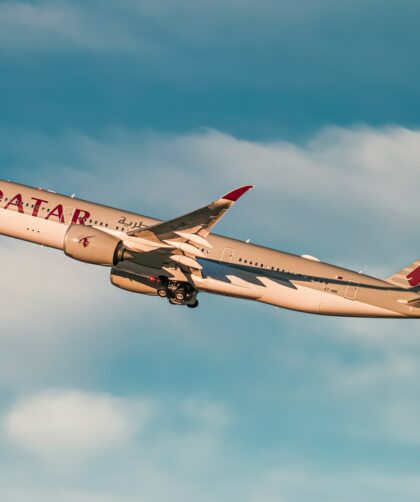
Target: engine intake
[(91, 245)]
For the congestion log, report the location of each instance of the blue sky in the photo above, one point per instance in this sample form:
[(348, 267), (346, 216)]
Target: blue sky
[(159, 107)]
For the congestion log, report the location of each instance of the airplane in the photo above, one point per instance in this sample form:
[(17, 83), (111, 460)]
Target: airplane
[(180, 258)]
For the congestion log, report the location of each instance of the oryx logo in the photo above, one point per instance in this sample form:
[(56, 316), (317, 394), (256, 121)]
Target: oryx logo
[(85, 241), (414, 277)]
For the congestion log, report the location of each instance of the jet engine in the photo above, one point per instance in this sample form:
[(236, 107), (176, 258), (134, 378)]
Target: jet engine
[(91, 245), (135, 283), (178, 293)]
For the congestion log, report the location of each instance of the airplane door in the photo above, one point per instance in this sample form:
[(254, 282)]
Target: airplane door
[(351, 290), (68, 214), (227, 255)]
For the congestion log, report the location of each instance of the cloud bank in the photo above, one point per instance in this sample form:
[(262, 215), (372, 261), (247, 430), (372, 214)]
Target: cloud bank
[(354, 188), (72, 422)]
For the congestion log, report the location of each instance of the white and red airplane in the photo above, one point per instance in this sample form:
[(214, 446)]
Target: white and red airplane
[(180, 258)]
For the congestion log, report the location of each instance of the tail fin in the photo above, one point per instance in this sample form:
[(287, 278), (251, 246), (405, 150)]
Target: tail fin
[(408, 277)]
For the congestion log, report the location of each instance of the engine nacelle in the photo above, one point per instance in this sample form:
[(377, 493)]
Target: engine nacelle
[(135, 283), (91, 245)]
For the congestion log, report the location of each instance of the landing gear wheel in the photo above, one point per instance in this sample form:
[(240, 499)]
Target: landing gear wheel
[(162, 292), (193, 305), (180, 296)]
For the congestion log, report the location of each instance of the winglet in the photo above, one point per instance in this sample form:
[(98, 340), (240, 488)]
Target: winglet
[(236, 194)]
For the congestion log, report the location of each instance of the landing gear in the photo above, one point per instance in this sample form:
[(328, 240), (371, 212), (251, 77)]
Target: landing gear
[(162, 292), (180, 296), (178, 293)]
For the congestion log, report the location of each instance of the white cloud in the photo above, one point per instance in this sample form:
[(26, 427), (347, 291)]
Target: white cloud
[(149, 448), (377, 168), (347, 195), (73, 422)]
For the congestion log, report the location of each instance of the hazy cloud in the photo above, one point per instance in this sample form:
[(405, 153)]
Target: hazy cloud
[(73, 422), (353, 188), (51, 26), (191, 38)]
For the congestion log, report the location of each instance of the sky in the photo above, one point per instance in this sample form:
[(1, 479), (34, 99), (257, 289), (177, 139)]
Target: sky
[(160, 107)]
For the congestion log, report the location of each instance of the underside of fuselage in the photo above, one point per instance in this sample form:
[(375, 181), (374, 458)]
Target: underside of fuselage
[(312, 295)]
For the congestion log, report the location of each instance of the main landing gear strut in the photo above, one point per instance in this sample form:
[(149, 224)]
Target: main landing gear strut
[(178, 293)]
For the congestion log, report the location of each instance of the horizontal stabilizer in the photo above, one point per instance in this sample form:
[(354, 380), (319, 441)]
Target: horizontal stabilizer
[(415, 302)]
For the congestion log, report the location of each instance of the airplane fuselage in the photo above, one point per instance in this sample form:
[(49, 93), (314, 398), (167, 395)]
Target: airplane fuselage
[(230, 267)]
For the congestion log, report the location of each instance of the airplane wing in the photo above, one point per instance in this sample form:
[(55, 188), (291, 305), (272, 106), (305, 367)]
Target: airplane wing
[(199, 222), (182, 239)]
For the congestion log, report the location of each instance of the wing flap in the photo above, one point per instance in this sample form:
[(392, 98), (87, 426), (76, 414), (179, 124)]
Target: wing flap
[(195, 239), (186, 261)]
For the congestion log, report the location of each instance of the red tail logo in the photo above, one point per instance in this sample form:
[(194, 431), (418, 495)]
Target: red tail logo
[(414, 277)]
